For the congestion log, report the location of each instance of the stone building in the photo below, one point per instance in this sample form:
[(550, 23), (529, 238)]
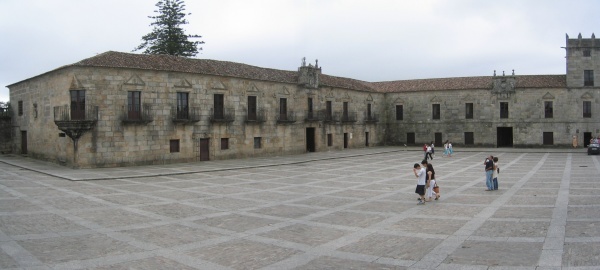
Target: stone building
[(118, 109)]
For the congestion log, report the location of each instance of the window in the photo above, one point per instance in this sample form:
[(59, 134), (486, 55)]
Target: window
[(257, 142), (469, 138), (469, 110), (309, 103), (503, 109), (252, 108), (283, 109), (345, 110), (133, 105), (329, 110), (548, 111), (174, 146), (224, 143), (182, 105), (548, 138), (587, 52), (329, 139), (587, 109), (399, 112), (435, 111), (20, 105), (77, 104), (369, 111), (588, 78), (219, 112)]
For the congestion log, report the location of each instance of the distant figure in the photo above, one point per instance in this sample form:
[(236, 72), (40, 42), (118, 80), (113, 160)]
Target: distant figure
[(489, 170), (450, 150), (575, 142), (495, 173), (421, 175), (432, 149), (429, 193)]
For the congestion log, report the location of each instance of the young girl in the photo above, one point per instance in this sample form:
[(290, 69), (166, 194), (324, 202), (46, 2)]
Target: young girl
[(430, 183)]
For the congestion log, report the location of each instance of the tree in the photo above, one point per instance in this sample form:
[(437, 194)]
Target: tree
[(168, 37)]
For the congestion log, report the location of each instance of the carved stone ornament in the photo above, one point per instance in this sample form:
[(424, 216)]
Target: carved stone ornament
[(503, 87)]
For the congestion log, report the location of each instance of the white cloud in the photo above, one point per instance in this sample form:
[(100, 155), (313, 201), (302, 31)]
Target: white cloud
[(368, 40)]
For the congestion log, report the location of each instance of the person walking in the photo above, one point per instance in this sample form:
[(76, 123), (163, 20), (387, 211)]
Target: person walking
[(428, 153), (429, 194), (445, 149), (575, 141), (450, 150), (495, 173), (489, 167), (421, 175), (432, 150)]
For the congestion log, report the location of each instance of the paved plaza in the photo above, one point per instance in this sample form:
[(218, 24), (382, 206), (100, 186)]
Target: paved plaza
[(350, 209)]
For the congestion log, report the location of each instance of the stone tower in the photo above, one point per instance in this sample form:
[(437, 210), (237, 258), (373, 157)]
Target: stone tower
[(308, 75), (583, 61)]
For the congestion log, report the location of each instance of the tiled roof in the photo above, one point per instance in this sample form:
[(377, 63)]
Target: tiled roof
[(230, 69), (466, 83), (189, 65)]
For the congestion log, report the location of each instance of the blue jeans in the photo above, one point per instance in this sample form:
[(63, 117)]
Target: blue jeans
[(488, 180), (495, 180)]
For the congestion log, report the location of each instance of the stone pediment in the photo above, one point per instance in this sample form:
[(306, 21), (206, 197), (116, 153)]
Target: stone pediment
[(183, 84), (75, 84), (369, 98), (253, 88), (135, 80), (587, 96), (329, 95), (399, 101), (219, 85), (436, 99), (284, 91), (134, 83), (468, 97), (548, 96)]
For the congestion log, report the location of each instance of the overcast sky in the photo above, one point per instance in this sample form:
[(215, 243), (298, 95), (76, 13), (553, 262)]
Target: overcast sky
[(373, 40)]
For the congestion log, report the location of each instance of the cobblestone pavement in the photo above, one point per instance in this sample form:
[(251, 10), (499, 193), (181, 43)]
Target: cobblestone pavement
[(351, 209)]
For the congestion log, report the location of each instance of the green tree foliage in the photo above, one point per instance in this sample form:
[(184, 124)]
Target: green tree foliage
[(167, 36)]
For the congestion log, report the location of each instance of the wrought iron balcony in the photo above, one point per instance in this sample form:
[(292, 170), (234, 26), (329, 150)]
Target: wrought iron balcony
[(312, 116), (371, 118), (257, 117), (185, 115), (332, 117), (223, 115), (348, 117), (286, 118), (74, 121), (137, 114)]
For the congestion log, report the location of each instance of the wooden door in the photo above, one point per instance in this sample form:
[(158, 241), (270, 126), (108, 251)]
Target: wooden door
[(204, 149)]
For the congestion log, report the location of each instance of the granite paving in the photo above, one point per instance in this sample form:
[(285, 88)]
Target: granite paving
[(350, 209)]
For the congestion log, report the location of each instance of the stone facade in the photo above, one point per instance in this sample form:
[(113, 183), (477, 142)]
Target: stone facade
[(193, 109)]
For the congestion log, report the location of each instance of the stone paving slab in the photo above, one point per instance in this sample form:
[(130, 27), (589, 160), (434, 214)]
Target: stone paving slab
[(351, 209)]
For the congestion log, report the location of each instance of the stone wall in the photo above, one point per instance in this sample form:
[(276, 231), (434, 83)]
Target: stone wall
[(112, 142)]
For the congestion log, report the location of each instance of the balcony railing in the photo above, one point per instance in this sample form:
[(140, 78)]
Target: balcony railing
[(332, 117), (138, 114), (75, 121), (371, 118), (78, 113), (312, 116), (286, 118), (257, 117), (348, 117), (185, 115), (5, 113), (225, 115)]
